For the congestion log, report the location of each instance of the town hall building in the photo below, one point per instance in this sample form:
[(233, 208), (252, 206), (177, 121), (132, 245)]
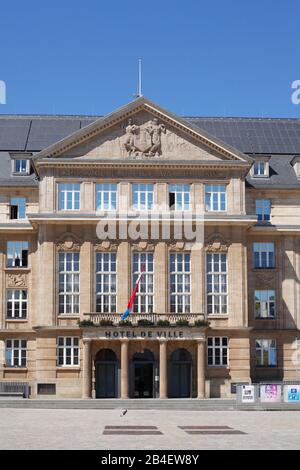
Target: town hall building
[(203, 212)]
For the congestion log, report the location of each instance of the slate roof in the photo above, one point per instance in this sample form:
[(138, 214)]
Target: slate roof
[(277, 137)]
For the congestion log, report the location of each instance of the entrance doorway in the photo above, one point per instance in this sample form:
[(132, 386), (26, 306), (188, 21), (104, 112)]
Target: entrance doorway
[(143, 374), (106, 374), (180, 374)]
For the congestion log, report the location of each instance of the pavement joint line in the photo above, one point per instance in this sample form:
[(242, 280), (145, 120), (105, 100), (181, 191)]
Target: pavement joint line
[(131, 427), (130, 433), (184, 428), (211, 432)]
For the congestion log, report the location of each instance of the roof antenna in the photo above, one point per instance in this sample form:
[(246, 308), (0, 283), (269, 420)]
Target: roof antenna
[(139, 93)]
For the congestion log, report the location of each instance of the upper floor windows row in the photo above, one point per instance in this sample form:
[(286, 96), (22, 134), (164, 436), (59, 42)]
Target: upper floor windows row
[(179, 196)]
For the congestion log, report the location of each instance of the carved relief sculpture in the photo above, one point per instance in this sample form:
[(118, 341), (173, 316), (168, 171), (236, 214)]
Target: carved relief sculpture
[(155, 130), (144, 141), (216, 243), (16, 280), (129, 144)]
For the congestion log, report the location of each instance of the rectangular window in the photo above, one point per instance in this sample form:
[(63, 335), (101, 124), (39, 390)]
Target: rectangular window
[(16, 303), (266, 352), (215, 197), (17, 254), (67, 351), (142, 196), (180, 282), (264, 255), (17, 208), (69, 274), (216, 283), (69, 196), (106, 282), (16, 353), (21, 166), (265, 304), (217, 351), (179, 197), (263, 210), (143, 263), (106, 197), (260, 168)]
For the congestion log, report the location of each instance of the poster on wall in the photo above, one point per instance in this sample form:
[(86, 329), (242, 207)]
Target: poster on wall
[(248, 394), (270, 393), (292, 393)]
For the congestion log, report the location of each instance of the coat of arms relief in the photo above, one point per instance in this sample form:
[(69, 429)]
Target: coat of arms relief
[(144, 141)]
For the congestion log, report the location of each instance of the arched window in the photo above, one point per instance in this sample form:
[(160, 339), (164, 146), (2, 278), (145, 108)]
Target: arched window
[(181, 355), (147, 355)]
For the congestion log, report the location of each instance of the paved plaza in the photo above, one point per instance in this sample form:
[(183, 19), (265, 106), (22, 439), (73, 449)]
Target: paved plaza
[(148, 429)]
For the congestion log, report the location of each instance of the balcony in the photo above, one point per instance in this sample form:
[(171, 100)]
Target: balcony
[(192, 319)]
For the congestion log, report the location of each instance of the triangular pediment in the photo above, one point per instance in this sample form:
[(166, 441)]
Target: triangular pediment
[(142, 130)]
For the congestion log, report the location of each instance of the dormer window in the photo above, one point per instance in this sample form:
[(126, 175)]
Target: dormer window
[(21, 166), (260, 169), (296, 164)]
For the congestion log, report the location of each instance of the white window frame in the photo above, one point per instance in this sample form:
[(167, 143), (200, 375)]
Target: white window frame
[(70, 282), (68, 351), (106, 196), (180, 292), (18, 353), (266, 345), (106, 282), (257, 164), (212, 346), (20, 172), (264, 205), (182, 196), (145, 196), (213, 192), (15, 201), (264, 309), (217, 279), (144, 299), (264, 252), (16, 247), (14, 296), (65, 203)]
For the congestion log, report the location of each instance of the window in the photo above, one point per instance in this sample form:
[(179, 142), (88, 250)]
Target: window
[(106, 197), (69, 283), (215, 197), (216, 283), (263, 209), (143, 263), (180, 282), (21, 166), (264, 304), (69, 196), (179, 197), (17, 254), (106, 282), (264, 255), (260, 169), (16, 352), (217, 351), (67, 351), (16, 303), (266, 352), (142, 196), (17, 207)]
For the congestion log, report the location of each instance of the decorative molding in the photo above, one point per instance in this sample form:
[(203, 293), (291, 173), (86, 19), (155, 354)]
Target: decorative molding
[(265, 280), (68, 242), (16, 280), (177, 245), (105, 245), (143, 246), (216, 243)]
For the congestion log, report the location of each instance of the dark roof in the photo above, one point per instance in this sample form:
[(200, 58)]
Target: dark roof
[(249, 135), (278, 137)]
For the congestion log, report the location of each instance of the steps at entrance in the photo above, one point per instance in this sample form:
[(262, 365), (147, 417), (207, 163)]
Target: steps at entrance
[(133, 404)]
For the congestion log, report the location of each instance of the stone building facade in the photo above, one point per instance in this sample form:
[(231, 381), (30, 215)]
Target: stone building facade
[(211, 222)]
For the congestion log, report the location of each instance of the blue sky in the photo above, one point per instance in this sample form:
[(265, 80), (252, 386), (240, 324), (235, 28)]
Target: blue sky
[(208, 58)]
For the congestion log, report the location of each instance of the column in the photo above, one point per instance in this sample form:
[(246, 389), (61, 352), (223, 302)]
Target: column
[(2, 357), (87, 370), (160, 267), (201, 368), (124, 368), (163, 379)]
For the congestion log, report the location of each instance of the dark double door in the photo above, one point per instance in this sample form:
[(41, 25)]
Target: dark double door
[(143, 379), (180, 380), (106, 380)]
